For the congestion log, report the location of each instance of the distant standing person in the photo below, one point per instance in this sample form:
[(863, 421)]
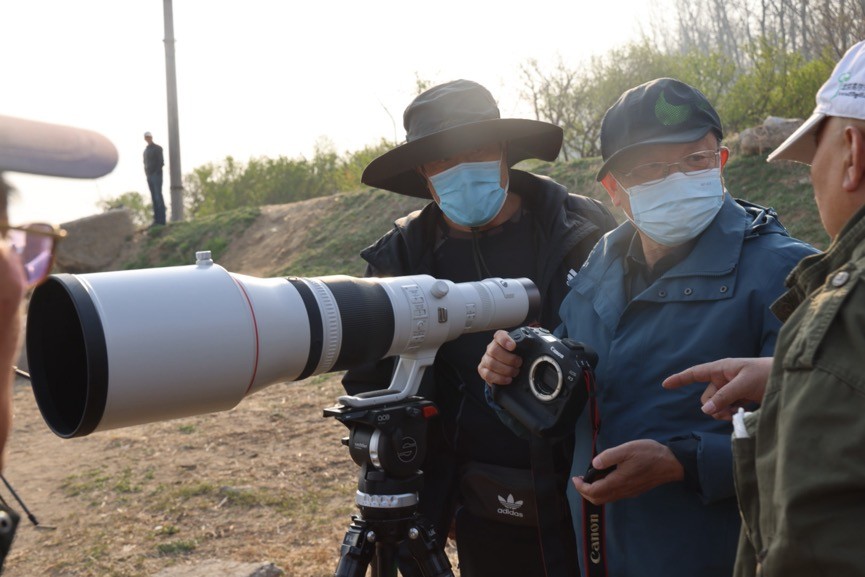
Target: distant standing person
[(153, 163)]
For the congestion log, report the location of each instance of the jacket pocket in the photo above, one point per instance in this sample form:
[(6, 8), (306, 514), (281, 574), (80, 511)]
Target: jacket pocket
[(817, 315)]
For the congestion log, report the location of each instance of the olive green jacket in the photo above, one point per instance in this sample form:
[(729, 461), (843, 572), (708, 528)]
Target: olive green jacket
[(800, 477)]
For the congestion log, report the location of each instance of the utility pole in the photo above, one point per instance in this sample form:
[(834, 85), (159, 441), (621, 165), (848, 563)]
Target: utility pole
[(173, 125)]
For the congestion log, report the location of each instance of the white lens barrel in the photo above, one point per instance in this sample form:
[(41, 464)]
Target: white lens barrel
[(116, 349)]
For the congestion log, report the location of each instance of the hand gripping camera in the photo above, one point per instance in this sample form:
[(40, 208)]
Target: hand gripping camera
[(552, 388)]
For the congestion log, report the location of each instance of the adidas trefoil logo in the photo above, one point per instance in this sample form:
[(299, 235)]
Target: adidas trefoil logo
[(510, 506)]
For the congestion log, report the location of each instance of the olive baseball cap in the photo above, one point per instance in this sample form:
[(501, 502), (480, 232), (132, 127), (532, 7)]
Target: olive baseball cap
[(661, 111), (842, 95)]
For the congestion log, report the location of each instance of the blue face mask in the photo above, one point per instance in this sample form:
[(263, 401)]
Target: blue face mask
[(678, 208), (471, 193)]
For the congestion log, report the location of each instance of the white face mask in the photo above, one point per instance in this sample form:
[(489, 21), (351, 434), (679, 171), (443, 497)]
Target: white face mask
[(676, 209)]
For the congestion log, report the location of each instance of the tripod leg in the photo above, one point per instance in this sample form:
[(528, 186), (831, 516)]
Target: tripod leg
[(430, 557), (356, 551), (384, 564)]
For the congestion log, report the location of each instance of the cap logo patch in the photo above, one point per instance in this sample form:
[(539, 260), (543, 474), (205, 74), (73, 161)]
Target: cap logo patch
[(671, 114), (853, 89)]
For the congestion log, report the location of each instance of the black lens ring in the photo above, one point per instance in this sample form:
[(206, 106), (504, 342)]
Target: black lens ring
[(367, 318), (95, 379), (316, 329)]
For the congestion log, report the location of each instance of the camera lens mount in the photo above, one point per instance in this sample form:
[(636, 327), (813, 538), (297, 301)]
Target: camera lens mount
[(545, 378)]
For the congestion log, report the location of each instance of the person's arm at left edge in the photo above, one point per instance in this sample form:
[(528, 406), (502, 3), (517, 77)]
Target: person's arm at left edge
[(12, 289)]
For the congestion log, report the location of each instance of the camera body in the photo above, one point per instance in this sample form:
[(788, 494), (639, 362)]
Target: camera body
[(551, 390)]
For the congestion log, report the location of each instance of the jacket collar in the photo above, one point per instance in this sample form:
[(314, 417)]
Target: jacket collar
[(714, 257), (814, 271)]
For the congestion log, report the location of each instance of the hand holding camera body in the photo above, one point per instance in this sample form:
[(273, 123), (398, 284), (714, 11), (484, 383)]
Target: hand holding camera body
[(552, 388)]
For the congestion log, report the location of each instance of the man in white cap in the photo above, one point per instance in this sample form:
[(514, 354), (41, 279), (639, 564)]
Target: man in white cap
[(153, 163), (800, 458), (27, 251)]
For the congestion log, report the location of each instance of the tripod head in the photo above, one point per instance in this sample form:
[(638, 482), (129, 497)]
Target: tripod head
[(387, 439), (388, 442)]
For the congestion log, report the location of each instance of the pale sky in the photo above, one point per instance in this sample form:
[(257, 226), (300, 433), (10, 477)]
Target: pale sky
[(267, 77)]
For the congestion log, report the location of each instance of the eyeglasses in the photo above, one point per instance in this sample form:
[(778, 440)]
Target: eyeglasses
[(694, 163), (34, 244)]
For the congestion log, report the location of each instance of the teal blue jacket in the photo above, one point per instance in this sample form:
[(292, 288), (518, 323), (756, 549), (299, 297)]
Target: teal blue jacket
[(713, 304)]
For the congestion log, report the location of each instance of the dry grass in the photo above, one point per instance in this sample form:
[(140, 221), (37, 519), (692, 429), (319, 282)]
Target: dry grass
[(268, 481)]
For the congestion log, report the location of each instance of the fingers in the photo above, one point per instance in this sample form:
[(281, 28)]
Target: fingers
[(599, 492), (499, 365), (504, 340), (695, 374), (710, 391), (731, 382), (593, 492), (745, 381), (720, 400), (613, 455)]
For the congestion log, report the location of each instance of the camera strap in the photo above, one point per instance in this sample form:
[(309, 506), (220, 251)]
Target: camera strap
[(548, 500), (594, 523)]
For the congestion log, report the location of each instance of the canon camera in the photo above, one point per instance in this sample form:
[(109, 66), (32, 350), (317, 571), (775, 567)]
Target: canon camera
[(551, 389)]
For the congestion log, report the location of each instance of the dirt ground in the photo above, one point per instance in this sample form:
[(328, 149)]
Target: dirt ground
[(268, 481)]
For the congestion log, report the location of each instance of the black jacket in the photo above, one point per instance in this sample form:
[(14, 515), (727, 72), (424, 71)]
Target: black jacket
[(564, 228), (153, 160)]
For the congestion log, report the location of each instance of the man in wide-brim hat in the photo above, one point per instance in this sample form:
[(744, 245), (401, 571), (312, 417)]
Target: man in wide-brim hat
[(487, 220)]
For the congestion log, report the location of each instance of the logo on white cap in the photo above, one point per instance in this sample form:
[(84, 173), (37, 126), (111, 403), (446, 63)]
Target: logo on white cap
[(842, 95)]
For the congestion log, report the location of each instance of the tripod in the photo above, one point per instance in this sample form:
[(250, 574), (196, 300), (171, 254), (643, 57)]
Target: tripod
[(388, 441)]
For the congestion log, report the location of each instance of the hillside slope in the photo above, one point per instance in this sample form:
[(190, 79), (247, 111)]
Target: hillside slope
[(325, 235)]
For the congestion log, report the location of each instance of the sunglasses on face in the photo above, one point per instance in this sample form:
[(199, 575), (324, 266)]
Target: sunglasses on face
[(34, 244)]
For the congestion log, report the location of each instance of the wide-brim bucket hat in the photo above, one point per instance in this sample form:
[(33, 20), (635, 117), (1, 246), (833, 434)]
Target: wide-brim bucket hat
[(450, 119)]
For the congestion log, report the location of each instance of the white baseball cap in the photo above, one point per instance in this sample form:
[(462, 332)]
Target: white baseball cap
[(53, 149), (842, 95), (146, 134)]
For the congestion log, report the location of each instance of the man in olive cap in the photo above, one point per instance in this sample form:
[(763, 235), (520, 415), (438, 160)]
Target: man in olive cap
[(27, 251), (687, 278), (487, 219)]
